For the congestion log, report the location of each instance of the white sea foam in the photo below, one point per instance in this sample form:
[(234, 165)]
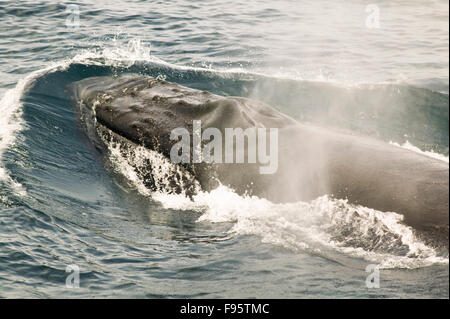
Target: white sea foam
[(319, 226), (134, 161), (407, 145)]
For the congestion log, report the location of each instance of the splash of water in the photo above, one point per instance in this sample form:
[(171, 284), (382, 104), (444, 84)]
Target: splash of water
[(407, 145)]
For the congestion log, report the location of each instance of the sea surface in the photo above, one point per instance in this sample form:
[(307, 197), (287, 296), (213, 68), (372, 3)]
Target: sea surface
[(66, 212)]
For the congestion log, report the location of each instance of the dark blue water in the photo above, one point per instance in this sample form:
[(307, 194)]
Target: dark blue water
[(63, 203)]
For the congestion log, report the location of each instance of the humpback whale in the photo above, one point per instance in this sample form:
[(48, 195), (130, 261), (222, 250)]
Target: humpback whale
[(312, 161)]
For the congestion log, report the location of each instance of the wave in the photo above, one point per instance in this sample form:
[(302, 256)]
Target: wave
[(325, 226)]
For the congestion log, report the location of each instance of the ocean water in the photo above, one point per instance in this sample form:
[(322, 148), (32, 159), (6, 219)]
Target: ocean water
[(62, 203)]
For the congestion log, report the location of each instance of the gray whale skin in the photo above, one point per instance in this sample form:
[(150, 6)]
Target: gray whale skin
[(312, 161)]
